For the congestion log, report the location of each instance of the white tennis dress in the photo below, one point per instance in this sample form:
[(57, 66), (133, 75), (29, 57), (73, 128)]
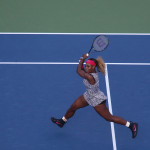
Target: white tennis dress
[(93, 95)]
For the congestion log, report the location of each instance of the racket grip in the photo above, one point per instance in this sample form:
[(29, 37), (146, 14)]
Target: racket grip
[(87, 54)]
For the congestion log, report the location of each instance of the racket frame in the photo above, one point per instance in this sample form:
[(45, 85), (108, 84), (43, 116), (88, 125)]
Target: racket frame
[(93, 43)]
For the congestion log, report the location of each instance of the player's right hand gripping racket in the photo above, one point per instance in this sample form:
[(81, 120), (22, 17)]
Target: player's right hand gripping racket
[(99, 44)]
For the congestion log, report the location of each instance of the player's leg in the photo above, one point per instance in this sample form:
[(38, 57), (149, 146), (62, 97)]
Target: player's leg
[(104, 112), (80, 102)]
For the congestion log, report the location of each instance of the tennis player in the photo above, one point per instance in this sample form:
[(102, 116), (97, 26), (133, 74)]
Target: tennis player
[(93, 96)]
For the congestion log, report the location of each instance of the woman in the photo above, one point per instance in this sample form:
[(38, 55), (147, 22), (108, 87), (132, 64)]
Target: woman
[(93, 96)]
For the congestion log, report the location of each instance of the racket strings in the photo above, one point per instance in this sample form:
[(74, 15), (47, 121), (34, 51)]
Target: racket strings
[(100, 43)]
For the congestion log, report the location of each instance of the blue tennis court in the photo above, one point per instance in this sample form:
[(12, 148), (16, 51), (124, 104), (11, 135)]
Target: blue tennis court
[(32, 91)]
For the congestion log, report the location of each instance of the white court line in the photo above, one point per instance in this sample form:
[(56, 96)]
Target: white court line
[(138, 64), (110, 109), (65, 63), (38, 63), (29, 33)]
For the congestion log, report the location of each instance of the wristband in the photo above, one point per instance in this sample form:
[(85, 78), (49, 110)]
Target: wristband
[(81, 58)]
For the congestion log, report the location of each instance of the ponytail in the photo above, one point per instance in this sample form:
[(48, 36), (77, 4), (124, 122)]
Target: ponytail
[(100, 65)]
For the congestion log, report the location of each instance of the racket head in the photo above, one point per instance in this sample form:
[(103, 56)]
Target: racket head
[(100, 43)]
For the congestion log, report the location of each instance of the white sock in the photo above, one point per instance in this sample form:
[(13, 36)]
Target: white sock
[(64, 119), (127, 124)]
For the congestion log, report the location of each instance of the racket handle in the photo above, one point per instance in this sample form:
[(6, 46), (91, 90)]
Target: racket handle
[(90, 50)]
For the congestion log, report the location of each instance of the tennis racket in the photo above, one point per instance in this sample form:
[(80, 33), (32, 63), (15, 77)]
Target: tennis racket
[(100, 43)]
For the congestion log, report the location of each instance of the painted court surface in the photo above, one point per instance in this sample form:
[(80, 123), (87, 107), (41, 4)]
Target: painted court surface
[(32, 91)]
